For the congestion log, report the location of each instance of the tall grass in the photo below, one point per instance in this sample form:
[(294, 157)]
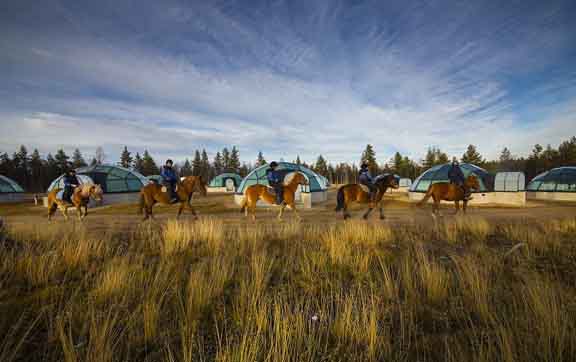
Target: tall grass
[(208, 291)]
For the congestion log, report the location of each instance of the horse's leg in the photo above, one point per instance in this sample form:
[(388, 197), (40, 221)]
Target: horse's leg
[(293, 207), (64, 210), (282, 207), (457, 206), (464, 205), (180, 209), (192, 211), (85, 210), (382, 217), (367, 213), (79, 212)]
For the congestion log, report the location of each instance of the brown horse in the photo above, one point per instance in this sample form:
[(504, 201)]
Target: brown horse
[(80, 198), (154, 193), (356, 193), (449, 192), (265, 193)]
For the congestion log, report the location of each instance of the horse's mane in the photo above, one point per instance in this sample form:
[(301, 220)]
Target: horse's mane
[(381, 177), (290, 176)]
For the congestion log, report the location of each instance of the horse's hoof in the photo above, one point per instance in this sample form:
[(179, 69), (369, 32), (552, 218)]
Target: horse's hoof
[(382, 217)]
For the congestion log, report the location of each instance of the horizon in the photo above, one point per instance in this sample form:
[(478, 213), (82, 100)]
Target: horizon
[(287, 78)]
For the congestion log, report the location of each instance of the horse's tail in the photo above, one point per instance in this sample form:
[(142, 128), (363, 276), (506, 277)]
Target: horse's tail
[(340, 201), (426, 197), (141, 203), (243, 204)]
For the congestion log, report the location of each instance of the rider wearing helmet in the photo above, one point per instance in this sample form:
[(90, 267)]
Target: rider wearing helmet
[(456, 177), (276, 181), (365, 178), (170, 179), (70, 183)]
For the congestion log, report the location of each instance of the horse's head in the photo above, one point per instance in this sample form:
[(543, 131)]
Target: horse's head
[(387, 180), (96, 192), (472, 182), (299, 179)]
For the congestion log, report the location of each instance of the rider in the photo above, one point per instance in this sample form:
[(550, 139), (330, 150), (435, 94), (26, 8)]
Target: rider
[(365, 178), (456, 177), (70, 183), (276, 181), (169, 179)]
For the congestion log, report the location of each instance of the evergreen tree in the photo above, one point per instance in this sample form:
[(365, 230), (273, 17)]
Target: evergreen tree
[(506, 155), (197, 164), (298, 162), (126, 158), (61, 161), (21, 165), (218, 163), (77, 159), (186, 169), (37, 174), (260, 161), (149, 166), (321, 166), (225, 165), (234, 159), (53, 170), (207, 171), (369, 157), (6, 165), (472, 156), (567, 152), (99, 156), (244, 170), (138, 164)]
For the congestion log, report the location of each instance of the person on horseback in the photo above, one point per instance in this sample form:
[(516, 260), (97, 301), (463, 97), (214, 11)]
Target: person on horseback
[(456, 177), (365, 178), (70, 183), (276, 181), (170, 179)]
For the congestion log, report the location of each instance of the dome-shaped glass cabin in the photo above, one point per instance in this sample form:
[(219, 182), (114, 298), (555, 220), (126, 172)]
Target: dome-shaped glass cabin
[(315, 191), (561, 179), (114, 179), (225, 182), (10, 191), (58, 183), (439, 173)]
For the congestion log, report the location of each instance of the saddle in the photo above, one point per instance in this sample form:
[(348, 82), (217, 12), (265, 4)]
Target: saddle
[(364, 188)]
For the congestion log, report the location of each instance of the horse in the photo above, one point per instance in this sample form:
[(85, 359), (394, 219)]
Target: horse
[(153, 193), (355, 193), (449, 192), (80, 198), (261, 192)]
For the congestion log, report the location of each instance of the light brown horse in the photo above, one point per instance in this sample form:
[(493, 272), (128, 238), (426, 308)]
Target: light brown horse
[(265, 193), (154, 193), (355, 193), (80, 198), (449, 192)]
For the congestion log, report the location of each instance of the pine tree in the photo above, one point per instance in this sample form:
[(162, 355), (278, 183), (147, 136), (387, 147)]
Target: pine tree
[(298, 162), (398, 163), (21, 173), (472, 156), (218, 163), (369, 157), (138, 164), (99, 156), (197, 164), (234, 159), (225, 159), (126, 158), (149, 166), (260, 161), (77, 159), (321, 166), (61, 160), (186, 169), (38, 179), (506, 155), (434, 157), (207, 171)]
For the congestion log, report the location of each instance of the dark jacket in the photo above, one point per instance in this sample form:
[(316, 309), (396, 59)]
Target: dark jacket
[(168, 175), (364, 177), (70, 181), (455, 175), (274, 177)]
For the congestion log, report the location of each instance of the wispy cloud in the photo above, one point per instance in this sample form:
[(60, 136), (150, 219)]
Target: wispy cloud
[(288, 77)]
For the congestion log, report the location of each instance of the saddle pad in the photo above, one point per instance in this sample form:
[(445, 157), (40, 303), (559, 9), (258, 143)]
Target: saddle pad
[(164, 189), (60, 195), (364, 188)]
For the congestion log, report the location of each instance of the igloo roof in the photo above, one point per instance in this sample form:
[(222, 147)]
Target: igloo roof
[(258, 176), (439, 173), (114, 179), (220, 180), (59, 181), (561, 179), (9, 186)]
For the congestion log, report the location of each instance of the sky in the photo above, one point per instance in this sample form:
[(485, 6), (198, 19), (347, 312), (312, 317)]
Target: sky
[(287, 77)]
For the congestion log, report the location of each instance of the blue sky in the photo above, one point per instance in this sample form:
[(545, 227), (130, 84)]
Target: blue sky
[(287, 77)]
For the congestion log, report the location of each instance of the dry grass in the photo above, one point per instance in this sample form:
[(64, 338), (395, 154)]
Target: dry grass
[(206, 291)]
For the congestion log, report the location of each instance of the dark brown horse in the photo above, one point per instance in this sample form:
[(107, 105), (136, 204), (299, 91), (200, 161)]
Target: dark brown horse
[(80, 198), (357, 193), (449, 192), (154, 193)]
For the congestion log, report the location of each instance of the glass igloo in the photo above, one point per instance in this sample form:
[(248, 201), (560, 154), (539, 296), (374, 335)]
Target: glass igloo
[(114, 179), (561, 179), (439, 173), (222, 179), (58, 183), (9, 186), (258, 176)]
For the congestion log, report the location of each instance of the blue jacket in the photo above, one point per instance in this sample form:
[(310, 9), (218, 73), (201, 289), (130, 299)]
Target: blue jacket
[(274, 177), (364, 177), (168, 175), (70, 181), (455, 175)]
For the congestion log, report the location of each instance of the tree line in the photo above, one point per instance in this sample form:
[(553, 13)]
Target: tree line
[(35, 172)]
